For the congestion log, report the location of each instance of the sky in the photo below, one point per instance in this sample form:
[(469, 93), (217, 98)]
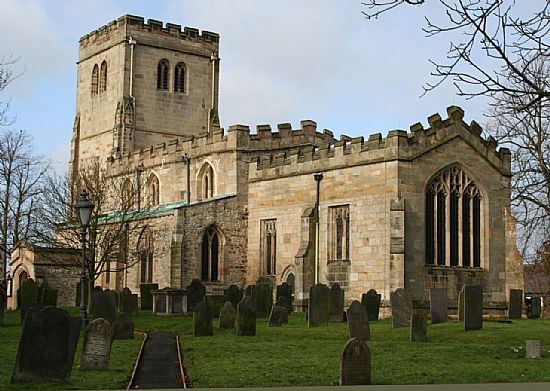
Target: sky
[(281, 61)]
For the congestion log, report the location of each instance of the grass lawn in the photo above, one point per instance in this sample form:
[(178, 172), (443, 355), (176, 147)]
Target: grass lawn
[(294, 355)]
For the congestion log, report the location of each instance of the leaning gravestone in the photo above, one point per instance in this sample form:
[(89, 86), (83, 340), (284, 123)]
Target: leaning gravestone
[(336, 304), (233, 295), (285, 290), (438, 305), (29, 292), (196, 294), (47, 346), (278, 316), (514, 303), (358, 321), (26, 307), (355, 365), (318, 308), (401, 308), (282, 301), (123, 327), (146, 295), (536, 308), (104, 305), (419, 318), (97, 346), (263, 299), (227, 316), (473, 307), (202, 320), (246, 317), (371, 302), (128, 302)]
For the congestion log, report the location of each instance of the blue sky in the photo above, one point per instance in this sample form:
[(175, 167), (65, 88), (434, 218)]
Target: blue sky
[(281, 61)]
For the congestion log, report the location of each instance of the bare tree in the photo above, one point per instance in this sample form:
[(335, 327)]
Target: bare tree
[(21, 172), (484, 33), (114, 217), (525, 128), (7, 75)]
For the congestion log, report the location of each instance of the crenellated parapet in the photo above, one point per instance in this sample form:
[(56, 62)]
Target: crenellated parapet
[(397, 145), (149, 32)]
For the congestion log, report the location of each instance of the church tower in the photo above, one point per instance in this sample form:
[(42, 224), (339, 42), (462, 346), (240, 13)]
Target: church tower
[(139, 84)]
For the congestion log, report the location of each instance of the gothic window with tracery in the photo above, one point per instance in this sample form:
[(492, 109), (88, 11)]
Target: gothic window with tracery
[(154, 190), (145, 251), (453, 220), (179, 77), (95, 80), (211, 251), (268, 246), (162, 75), (103, 77), (206, 182), (338, 233)]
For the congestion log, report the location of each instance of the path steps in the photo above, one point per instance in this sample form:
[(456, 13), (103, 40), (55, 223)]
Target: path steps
[(159, 363)]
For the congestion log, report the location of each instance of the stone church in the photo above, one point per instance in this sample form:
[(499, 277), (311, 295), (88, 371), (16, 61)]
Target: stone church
[(428, 207)]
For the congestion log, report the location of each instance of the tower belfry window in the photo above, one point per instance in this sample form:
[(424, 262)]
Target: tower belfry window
[(95, 80), (162, 75), (103, 77), (179, 78)]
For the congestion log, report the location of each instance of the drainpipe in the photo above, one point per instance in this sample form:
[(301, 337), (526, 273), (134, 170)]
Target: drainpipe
[(187, 161), (318, 177)]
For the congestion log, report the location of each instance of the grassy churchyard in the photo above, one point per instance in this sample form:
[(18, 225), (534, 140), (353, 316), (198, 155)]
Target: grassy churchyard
[(294, 355)]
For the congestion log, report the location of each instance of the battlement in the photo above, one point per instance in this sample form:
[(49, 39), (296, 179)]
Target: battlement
[(397, 145), (152, 26)]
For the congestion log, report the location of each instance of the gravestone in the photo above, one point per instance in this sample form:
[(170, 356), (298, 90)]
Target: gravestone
[(263, 299), (473, 307), (246, 317), (282, 301), (318, 309), (123, 327), (278, 316), (401, 308), (202, 320), (249, 291), (97, 346), (48, 295), (461, 305), (29, 292), (515, 303), (97, 288), (336, 304), (371, 302), (358, 321), (47, 346), (227, 316), (355, 365), (160, 304), (285, 290), (104, 305), (439, 312), (146, 296), (419, 322), (26, 307), (128, 302), (215, 302), (535, 309), (233, 295), (532, 348), (196, 294)]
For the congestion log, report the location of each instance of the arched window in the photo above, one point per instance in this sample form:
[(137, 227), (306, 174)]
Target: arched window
[(95, 79), (268, 246), (453, 220), (103, 77), (179, 77), (145, 251), (211, 251), (154, 190), (162, 75), (206, 182)]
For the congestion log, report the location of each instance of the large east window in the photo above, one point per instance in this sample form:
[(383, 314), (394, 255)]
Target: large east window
[(453, 220)]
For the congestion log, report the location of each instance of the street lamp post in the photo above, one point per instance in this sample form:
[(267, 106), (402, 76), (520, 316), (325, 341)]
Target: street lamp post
[(83, 212)]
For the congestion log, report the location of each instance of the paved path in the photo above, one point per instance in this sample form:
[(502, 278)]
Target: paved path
[(159, 365)]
